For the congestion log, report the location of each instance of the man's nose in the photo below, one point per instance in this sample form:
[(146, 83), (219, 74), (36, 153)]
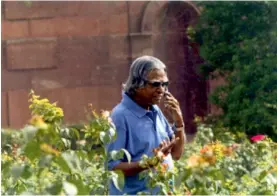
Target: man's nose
[(161, 89)]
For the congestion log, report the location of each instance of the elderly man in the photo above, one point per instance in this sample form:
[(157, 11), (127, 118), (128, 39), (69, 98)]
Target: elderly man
[(140, 124)]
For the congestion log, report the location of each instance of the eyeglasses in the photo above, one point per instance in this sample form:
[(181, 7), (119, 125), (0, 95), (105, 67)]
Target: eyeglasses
[(158, 84)]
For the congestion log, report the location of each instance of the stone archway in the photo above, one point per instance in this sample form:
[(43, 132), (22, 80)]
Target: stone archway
[(166, 22), (154, 9)]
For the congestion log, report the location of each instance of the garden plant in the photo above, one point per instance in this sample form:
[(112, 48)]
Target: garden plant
[(238, 41), (49, 157)]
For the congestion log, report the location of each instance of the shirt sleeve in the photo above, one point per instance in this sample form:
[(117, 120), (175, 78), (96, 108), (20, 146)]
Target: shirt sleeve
[(120, 142)]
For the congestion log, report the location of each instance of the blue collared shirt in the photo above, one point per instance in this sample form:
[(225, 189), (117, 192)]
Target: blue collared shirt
[(138, 131)]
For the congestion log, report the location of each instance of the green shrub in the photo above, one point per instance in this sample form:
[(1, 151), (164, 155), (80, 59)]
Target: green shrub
[(239, 42), (40, 160), (214, 165)]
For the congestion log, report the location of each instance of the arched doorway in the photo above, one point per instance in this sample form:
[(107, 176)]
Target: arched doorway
[(167, 22)]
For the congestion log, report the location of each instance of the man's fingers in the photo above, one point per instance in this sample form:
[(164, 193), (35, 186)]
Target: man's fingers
[(168, 141), (161, 145), (168, 148), (177, 138), (170, 145), (173, 141), (170, 98), (166, 145), (171, 102), (168, 94), (171, 105), (173, 137)]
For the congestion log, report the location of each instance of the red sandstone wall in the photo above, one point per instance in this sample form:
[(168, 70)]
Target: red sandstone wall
[(78, 52), (71, 52)]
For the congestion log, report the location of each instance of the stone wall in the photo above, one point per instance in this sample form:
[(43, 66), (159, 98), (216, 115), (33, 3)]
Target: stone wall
[(79, 52)]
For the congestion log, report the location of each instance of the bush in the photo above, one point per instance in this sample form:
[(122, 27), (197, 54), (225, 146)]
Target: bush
[(239, 42), (214, 164), (40, 160)]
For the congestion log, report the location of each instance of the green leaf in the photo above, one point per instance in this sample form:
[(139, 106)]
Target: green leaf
[(190, 183), (187, 173), (261, 191), (112, 133), (143, 174), (263, 175), (45, 160), (66, 132), (179, 179), (82, 189), (17, 170), (55, 188), (116, 155), (216, 184), (27, 172), (63, 165), (162, 188), (27, 193), (118, 179), (5, 168), (271, 179), (69, 188), (75, 133), (29, 132), (128, 156), (32, 150), (72, 160), (105, 138), (202, 191), (66, 142)]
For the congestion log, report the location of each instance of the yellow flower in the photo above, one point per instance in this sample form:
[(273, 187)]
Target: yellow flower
[(6, 157), (211, 159), (105, 114), (37, 121), (164, 167), (207, 150), (96, 157), (202, 161), (228, 151), (59, 112), (48, 149), (195, 161)]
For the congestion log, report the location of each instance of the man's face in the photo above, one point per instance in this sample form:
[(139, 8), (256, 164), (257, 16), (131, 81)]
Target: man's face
[(156, 85)]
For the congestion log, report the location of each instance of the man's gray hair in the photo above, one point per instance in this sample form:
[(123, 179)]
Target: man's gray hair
[(139, 71)]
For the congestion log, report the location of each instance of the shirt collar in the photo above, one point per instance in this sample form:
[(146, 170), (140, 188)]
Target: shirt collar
[(134, 107)]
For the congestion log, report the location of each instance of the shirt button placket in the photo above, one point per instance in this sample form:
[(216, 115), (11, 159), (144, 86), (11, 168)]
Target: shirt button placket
[(150, 115)]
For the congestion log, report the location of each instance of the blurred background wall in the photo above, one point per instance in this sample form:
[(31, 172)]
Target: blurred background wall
[(79, 52)]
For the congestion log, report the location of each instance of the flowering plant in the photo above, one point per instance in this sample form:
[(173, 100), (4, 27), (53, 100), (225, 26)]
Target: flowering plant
[(211, 166), (257, 138), (49, 158)]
